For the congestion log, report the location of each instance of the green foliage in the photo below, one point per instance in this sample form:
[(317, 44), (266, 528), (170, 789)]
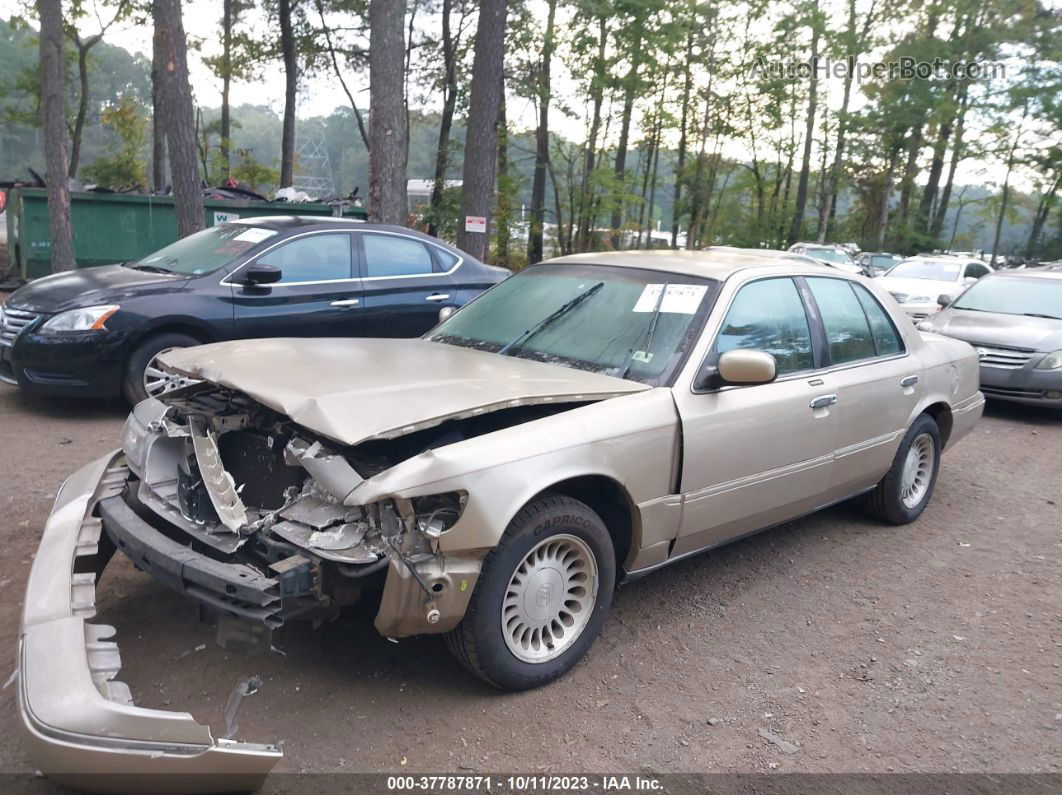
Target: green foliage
[(123, 167), (252, 173)]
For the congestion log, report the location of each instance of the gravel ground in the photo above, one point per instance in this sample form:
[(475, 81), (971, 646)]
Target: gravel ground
[(932, 648)]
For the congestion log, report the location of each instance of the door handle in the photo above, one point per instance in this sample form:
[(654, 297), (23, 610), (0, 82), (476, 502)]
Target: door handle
[(438, 297), (910, 380), (822, 401), (347, 302)]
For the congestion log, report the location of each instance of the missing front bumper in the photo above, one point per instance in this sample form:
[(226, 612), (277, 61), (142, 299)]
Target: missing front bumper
[(80, 725)]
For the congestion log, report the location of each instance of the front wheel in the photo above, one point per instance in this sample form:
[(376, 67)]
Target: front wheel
[(542, 596), (144, 377), (905, 491)]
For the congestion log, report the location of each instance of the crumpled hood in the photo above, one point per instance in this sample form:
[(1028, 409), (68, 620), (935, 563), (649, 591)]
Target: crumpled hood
[(353, 390), (990, 328), (917, 287)]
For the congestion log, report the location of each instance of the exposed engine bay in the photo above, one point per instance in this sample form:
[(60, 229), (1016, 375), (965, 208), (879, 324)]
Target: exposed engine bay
[(264, 505)]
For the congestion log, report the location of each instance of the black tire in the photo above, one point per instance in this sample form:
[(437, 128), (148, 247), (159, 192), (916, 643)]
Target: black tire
[(133, 379), (478, 642), (886, 502)]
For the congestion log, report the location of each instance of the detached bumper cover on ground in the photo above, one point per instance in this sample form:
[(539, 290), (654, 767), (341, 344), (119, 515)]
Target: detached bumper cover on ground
[(80, 724)]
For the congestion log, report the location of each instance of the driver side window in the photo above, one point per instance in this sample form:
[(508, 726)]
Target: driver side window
[(314, 258), (768, 315)]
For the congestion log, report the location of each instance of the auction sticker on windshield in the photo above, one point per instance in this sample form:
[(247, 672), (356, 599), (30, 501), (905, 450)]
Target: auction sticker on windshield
[(679, 299), (254, 235)]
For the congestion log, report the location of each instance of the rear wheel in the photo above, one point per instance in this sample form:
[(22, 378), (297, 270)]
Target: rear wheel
[(907, 487), (144, 377), (542, 596)]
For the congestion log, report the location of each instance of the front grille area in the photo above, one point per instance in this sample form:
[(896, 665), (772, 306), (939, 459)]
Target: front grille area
[(12, 321), (1003, 358)]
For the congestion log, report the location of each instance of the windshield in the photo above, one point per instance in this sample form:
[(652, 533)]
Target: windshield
[(1012, 295), (934, 270), (830, 255), (204, 251), (882, 262), (626, 322)]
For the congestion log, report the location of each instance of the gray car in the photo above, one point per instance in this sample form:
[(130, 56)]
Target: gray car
[(1014, 320)]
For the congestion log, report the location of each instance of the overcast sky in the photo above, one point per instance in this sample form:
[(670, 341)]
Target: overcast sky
[(320, 95)]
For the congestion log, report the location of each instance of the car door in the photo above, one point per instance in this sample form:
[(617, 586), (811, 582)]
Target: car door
[(406, 283), (318, 295), (753, 456), (877, 383)]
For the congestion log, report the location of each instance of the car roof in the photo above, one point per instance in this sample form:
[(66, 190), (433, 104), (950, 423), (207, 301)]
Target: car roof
[(289, 223), (714, 263), (1033, 273)]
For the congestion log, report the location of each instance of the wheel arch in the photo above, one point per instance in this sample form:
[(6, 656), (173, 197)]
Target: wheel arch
[(940, 411), (606, 497), (176, 326)]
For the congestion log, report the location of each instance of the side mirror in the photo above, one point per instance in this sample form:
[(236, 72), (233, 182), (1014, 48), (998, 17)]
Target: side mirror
[(445, 312), (738, 367), (259, 274), (943, 300)]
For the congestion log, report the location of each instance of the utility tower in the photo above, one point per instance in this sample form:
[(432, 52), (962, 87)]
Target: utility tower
[(313, 169)]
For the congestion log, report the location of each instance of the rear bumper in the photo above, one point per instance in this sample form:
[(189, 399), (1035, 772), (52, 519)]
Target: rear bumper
[(964, 417), (79, 724)]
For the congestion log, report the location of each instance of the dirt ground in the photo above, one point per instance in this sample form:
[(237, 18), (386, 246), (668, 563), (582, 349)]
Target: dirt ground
[(932, 647)]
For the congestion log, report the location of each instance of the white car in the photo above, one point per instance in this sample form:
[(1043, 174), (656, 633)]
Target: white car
[(917, 282), (828, 254)]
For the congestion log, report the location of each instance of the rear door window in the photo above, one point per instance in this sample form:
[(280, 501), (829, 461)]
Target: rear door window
[(394, 255), (847, 328)]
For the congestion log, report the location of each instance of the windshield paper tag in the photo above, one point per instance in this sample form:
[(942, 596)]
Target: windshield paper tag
[(679, 299), (255, 235)]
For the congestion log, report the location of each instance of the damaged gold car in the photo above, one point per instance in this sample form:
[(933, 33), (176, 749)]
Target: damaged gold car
[(586, 421)]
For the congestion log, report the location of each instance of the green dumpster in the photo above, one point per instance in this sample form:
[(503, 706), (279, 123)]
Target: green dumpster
[(114, 227)]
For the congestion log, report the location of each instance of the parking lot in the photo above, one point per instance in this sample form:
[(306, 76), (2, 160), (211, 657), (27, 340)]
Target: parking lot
[(852, 646)]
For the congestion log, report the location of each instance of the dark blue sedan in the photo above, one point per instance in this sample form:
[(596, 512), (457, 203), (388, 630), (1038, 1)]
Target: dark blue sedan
[(98, 331)]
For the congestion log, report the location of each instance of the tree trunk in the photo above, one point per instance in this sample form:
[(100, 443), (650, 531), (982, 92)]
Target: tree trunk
[(1043, 210), (291, 82), (482, 139), (442, 152), (82, 104), (809, 131), (680, 164), (179, 116), (226, 80), (538, 182), (956, 155), (597, 96), (910, 171), (505, 209), (630, 90), (886, 197), (1005, 197), (158, 126), (388, 149), (53, 120), (828, 211)]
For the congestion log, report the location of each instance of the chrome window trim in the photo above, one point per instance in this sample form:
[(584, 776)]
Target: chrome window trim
[(802, 373), (226, 283)]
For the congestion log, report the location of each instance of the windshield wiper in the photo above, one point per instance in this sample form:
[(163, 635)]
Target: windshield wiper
[(1038, 314), (556, 315), (137, 266), (649, 333)]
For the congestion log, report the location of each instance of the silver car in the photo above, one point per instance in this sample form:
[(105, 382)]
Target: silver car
[(589, 420), (1014, 321)]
